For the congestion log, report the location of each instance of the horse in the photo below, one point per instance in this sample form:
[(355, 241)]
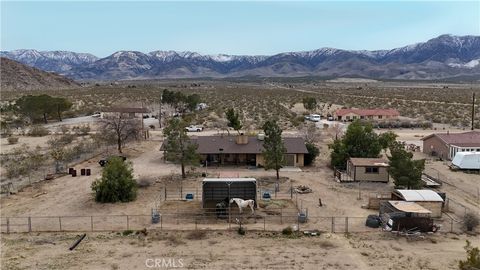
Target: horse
[(243, 204)]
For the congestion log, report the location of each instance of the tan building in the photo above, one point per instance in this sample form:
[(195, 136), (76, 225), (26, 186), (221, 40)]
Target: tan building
[(426, 198), (368, 169), (245, 150), (366, 114), (446, 145), (129, 112)]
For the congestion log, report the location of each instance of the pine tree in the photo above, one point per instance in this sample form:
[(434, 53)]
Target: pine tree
[(117, 183), (405, 171), (274, 149)]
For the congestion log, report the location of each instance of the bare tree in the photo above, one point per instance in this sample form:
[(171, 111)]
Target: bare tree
[(311, 133), (122, 127)]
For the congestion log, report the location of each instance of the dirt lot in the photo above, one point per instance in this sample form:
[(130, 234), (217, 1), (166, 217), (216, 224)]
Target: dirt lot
[(228, 250)]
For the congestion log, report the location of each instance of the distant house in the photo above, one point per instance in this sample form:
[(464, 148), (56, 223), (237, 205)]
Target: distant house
[(367, 114), (368, 169), (426, 198), (245, 150), (446, 145), (131, 112)]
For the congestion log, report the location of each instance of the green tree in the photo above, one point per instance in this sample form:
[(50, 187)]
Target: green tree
[(41, 107), (405, 171), (233, 119), (178, 146), (61, 105), (472, 262), (309, 103), (274, 149), (360, 141), (192, 102), (312, 154), (117, 183), (387, 139)]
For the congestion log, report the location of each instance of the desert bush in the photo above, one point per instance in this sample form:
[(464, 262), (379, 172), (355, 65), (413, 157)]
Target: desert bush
[(38, 131), (64, 129), (472, 262), (12, 140), (241, 231), (196, 235), (470, 221), (287, 231), (81, 130)]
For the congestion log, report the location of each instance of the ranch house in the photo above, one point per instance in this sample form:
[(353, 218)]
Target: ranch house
[(367, 114), (446, 145), (368, 169), (130, 112), (245, 150)]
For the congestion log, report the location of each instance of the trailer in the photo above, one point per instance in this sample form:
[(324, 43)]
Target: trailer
[(466, 161)]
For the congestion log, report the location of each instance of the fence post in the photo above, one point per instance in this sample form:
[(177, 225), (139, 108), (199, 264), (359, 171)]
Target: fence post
[(91, 222), (128, 223), (281, 216), (8, 225), (333, 224), (161, 222), (264, 223), (346, 224), (177, 215), (165, 191), (60, 223), (29, 224)]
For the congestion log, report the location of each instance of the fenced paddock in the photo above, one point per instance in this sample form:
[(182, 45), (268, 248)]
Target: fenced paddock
[(184, 220)]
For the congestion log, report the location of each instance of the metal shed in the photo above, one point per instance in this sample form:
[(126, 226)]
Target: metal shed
[(215, 190)]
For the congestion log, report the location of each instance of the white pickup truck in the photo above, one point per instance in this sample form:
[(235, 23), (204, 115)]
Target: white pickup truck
[(313, 117), (194, 128)]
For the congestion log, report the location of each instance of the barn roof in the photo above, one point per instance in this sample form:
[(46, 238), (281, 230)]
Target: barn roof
[(465, 139), (409, 207), (368, 112), (421, 195)]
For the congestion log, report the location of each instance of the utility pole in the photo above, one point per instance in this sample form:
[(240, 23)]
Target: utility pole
[(473, 111), (160, 112)]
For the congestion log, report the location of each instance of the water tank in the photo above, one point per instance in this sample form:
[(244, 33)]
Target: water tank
[(261, 136)]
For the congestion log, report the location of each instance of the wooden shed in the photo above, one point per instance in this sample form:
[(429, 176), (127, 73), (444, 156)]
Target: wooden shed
[(368, 169)]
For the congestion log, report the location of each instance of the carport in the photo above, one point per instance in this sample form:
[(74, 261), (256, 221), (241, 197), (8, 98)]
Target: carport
[(215, 190)]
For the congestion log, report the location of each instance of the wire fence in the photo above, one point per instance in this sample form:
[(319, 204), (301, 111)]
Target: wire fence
[(182, 221)]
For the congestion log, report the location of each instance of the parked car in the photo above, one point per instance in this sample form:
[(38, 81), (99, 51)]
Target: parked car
[(194, 128), (96, 114), (313, 117)]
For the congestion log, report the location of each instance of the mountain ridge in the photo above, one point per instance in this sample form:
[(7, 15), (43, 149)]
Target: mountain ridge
[(441, 57)]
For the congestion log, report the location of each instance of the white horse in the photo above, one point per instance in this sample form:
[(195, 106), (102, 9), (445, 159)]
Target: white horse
[(244, 204)]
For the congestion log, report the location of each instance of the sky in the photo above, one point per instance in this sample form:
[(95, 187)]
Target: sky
[(253, 28)]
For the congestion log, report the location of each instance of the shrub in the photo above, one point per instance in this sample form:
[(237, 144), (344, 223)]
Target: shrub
[(38, 131), (144, 182), (117, 183), (313, 152), (127, 232), (472, 261), (470, 221), (241, 231), (12, 140), (287, 231), (196, 235)]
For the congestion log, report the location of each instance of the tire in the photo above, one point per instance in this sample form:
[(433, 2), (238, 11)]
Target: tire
[(198, 130)]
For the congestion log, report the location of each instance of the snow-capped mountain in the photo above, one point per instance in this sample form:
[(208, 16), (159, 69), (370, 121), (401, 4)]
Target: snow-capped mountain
[(442, 57), (56, 61)]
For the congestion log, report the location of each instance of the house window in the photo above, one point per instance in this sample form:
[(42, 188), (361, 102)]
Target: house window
[(371, 169), (354, 117), (347, 117), (380, 117), (362, 117)]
